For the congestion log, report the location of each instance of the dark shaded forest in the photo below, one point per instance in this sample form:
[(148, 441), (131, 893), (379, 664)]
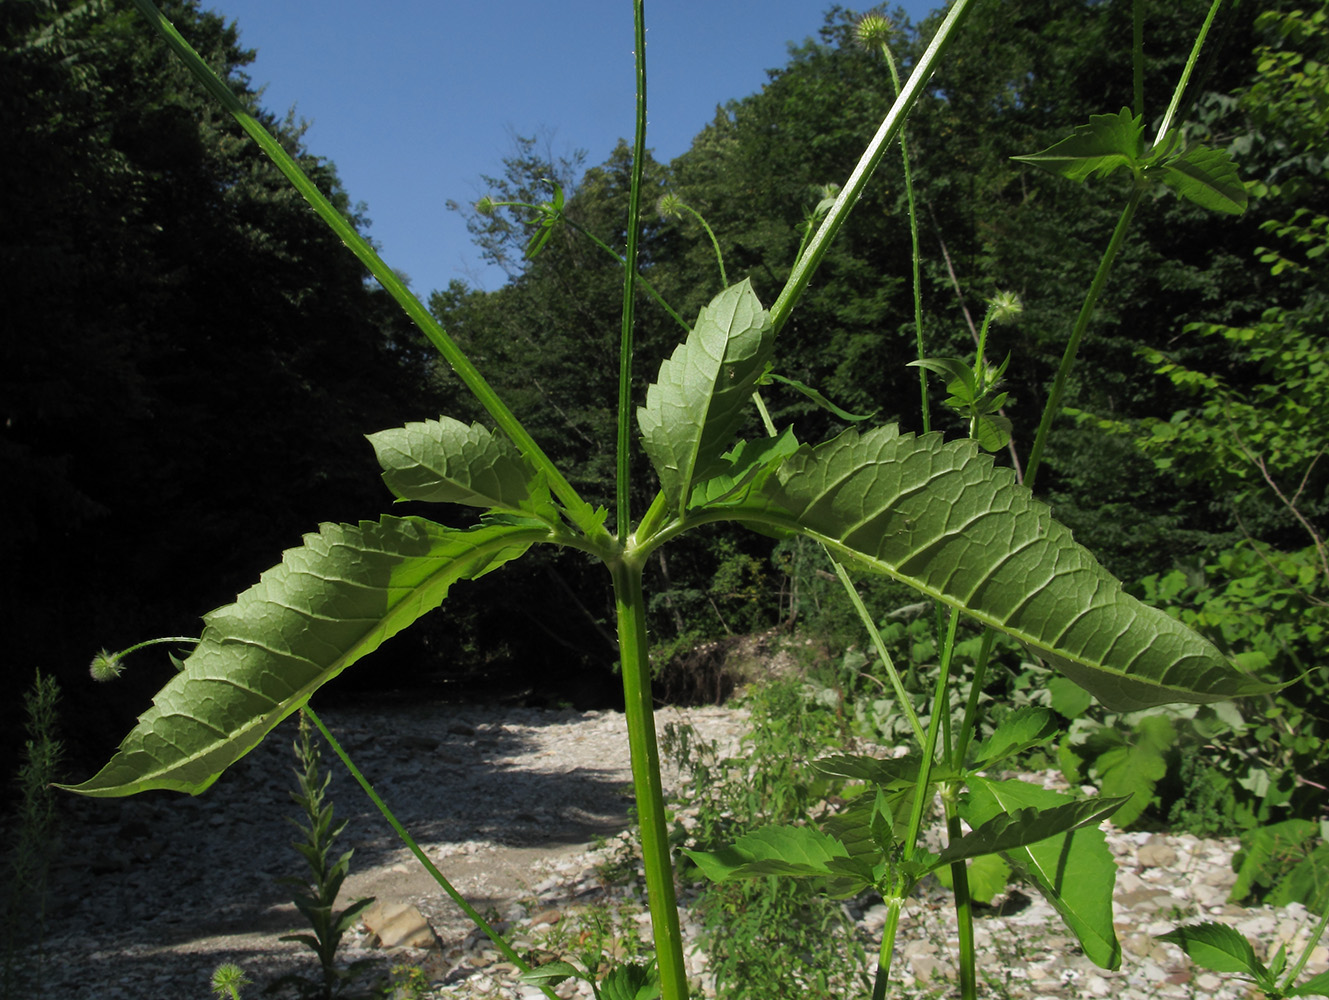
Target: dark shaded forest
[(191, 361)]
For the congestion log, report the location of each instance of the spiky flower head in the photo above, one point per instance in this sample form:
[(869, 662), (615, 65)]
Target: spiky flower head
[(1006, 307), (106, 666), (873, 31), (485, 206), (227, 981), (670, 206)]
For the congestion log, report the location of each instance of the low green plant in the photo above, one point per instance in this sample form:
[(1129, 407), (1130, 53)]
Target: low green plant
[(35, 843), (316, 895), (937, 516)]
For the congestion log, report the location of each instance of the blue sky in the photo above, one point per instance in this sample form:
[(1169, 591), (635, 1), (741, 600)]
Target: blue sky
[(415, 99)]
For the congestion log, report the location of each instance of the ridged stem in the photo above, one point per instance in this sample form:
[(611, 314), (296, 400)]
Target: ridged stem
[(630, 607)]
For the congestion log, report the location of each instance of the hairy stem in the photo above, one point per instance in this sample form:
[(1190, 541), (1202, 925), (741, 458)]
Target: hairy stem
[(630, 607), (853, 189), (623, 464), (1053, 405), (359, 246)]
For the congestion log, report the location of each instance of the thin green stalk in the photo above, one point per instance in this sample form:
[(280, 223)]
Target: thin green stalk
[(1186, 72), (624, 447), (1302, 959), (964, 906), (646, 285), (633, 644), (915, 254), (886, 950), (853, 189), (499, 942), (1137, 53), (1053, 405), (357, 244), (719, 257), (880, 647)]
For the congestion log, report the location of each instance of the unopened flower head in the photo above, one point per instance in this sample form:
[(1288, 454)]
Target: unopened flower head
[(873, 31), (485, 206), (670, 206), (1006, 307), (106, 666)]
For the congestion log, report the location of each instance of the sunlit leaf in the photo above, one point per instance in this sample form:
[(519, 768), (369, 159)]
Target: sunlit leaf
[(798, 851), (329, 602), (942, 518), (1022, 730), (1217, 947), (747, 465), (699, 400), (1207, 177), (445, 461), (1107, 143), (1030, 825), (1074, 871)]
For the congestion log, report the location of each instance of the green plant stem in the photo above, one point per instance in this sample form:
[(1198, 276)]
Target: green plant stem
[(875, 636), (646, 285), (1053, 405), (964, 907), (808, 262), (633, 646), (623, 463), (420, 855), (886, 951), (1305, 955), (719, 257), (975, 689), (359, 246), (925, 408), (1137, 57), (1186, 72)]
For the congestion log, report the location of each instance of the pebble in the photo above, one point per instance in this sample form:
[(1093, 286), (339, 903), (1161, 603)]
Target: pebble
[(158, 889)]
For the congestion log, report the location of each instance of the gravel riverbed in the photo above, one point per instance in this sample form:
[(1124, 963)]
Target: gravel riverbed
[(523, 809)]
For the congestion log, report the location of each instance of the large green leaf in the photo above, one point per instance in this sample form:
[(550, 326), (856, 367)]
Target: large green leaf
[(445, 461), (773, 850), (1207, 177), (1031, 825), (1074, 871), (1217, 947), (1106, 143), (941, 517), (697, 403), (329, 602)]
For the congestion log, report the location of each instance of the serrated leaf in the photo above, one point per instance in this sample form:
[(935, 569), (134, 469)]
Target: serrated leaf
[(942, 518), (1207, 177), (1217, 947), (1316, 986), (1136, 767), (747, 464), (1022, 730), (1107, 143), (885, 772), (329, 602), (1031, 825), (798, 851), (698, 401), (445, 461), (1075, 871)]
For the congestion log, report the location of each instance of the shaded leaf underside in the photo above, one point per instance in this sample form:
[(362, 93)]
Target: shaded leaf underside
[(941, 517), (329, 602)]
